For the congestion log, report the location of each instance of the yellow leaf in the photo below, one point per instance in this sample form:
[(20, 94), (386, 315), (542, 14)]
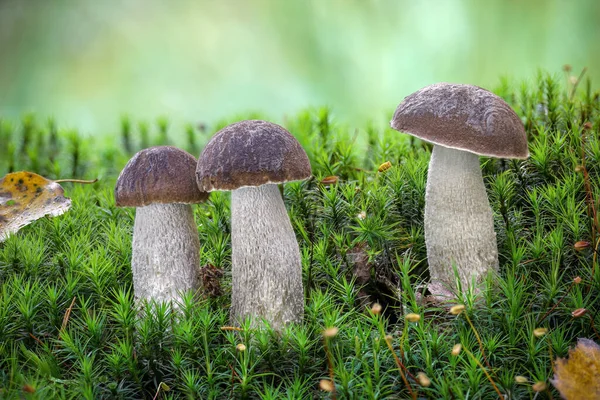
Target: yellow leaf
[(579, 376), (26, 197)]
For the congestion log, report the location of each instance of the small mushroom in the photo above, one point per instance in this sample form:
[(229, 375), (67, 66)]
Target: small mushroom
[(160, 181), (250, 158), (463, 122)]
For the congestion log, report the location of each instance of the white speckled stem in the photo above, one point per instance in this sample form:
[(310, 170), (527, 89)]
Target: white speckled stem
[(459, 223), (166, 251), (266, 265)]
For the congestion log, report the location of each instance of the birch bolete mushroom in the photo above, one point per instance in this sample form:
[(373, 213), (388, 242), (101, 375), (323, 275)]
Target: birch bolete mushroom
[(161, 182), (250, 158), (463, 122)]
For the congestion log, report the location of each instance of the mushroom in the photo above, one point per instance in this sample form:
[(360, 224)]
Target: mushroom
[(250, 158), (161, 183), (463, 122)]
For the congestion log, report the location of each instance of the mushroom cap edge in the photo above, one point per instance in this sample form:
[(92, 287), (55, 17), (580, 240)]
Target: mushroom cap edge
[(463, 117), (251, 153), (159, 174)]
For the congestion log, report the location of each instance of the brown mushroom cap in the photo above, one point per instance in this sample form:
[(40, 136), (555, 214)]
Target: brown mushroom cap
[(161, 174), (251, 153), (463, 117)]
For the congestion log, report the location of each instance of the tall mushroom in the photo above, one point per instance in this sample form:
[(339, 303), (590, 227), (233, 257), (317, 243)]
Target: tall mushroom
[(463, 122), (250, 158), (160, 181)]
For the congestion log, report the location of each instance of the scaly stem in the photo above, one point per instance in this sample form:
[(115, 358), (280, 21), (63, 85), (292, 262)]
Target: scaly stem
[(458, 219), (266, 265)]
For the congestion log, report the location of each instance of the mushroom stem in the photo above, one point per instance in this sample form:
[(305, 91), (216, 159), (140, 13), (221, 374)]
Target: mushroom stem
[(459, 223), (266, 265), (166, 251)]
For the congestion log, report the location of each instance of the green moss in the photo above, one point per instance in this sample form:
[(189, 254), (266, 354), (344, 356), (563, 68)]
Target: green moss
[(68, 327)]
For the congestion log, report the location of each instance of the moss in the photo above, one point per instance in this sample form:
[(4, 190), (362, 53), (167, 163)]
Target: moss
[(68, 327)]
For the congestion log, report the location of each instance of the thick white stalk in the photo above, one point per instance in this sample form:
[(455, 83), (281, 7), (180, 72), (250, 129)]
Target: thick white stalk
[(166, 251), (266, 265), (459, 223)]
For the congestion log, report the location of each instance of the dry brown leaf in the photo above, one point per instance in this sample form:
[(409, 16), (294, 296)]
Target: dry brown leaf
[(210, 277), (578, 378), (26, 197)]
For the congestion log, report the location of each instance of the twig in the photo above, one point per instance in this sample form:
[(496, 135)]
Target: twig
[(551, 355), (579, 78), (485, 372), (573, 282), (593, 327), (160, 386), (231, 328), (82, 181), (67, 315), (330, 367), (36, 339), (589, 197), (478, 340), (232, 379), (401, 369)]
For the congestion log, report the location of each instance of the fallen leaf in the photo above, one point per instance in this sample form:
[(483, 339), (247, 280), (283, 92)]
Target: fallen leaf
[(26, 197), (578, 377)]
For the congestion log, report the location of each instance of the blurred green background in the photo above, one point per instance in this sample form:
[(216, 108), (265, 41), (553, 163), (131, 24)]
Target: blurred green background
[(87, 62)]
